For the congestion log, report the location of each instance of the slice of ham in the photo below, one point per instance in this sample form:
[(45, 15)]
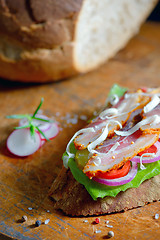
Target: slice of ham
[(105, 160), (123, 110)]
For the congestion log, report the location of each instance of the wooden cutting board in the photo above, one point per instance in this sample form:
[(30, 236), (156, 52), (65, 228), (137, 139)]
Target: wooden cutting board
[(25, 182)]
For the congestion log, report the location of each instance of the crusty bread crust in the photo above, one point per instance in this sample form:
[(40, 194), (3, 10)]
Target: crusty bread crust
[(39, 24), (36, 65), (36, 41), (73, 199)]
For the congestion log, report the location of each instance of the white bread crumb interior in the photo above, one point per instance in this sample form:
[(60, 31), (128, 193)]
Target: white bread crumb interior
[(104, 27)]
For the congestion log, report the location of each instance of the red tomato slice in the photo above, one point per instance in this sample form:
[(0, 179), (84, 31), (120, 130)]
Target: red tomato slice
[(152, 149), (144, 89), (116, 173)]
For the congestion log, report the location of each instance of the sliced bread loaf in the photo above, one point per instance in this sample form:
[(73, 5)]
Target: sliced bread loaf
[(42, 41)]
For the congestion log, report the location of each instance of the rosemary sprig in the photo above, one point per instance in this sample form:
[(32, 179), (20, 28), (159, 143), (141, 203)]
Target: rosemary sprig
[(31, 124), (42, 133), (39, 106), (18, 116)]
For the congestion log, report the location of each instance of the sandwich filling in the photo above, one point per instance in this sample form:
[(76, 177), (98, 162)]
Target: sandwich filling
[(120, 148)]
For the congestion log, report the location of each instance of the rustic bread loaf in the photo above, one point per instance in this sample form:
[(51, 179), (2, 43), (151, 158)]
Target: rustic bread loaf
[(49, 40)]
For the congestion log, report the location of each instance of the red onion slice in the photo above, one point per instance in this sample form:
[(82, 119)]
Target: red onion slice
[(149, 159), (119, 181), (43, 126)]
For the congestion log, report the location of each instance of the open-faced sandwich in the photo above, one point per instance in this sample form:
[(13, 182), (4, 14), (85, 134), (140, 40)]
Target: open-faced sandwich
[(113, 163)]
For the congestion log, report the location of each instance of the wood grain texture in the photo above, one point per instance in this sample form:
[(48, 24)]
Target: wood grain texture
[(25, 182)]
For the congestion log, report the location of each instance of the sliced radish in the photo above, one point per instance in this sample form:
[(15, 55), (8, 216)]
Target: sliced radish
[(43, 126), (21, 143), (42, 141), (51, 132)]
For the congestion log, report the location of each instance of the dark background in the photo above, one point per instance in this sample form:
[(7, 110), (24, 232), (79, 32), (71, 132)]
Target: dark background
[(155, 15)]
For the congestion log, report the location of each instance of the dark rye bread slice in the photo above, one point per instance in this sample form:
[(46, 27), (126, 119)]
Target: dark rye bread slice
[(73, 199)]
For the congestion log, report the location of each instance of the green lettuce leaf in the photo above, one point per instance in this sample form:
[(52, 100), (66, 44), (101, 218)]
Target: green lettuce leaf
[(97, 190), (118, 90)]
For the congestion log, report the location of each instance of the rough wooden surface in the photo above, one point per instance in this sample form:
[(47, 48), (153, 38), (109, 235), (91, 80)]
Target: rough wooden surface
[(25, 182)]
